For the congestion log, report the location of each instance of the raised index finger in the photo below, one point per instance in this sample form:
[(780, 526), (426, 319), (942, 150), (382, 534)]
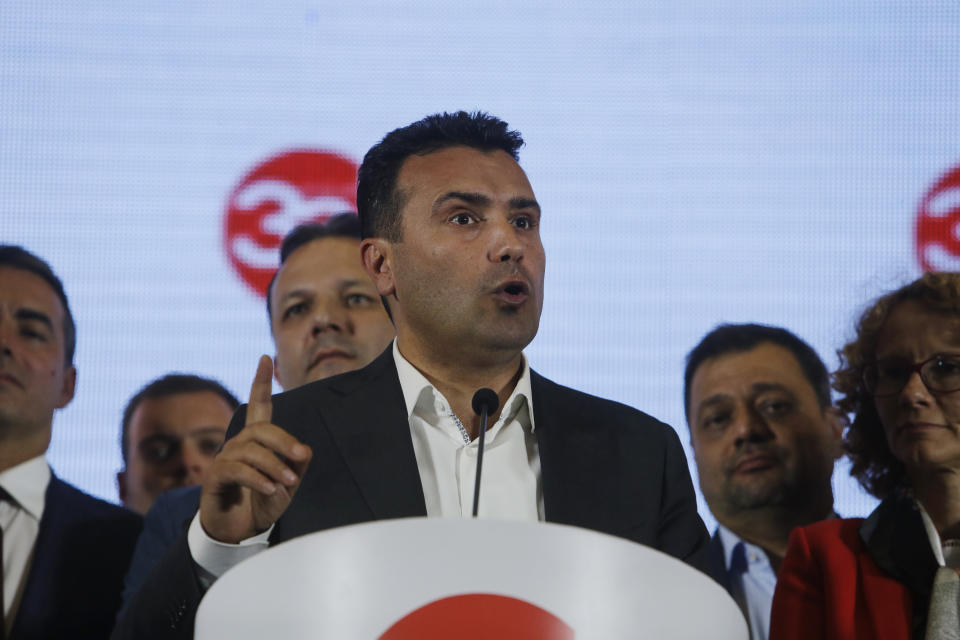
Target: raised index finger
[(260, 408)]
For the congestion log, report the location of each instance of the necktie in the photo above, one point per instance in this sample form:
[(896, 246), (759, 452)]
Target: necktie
[(943, 617)]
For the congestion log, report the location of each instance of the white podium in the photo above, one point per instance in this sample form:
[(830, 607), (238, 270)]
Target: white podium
[(465, 579)]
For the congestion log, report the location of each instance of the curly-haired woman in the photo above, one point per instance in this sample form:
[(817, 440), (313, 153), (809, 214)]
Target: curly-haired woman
[(895, 574)]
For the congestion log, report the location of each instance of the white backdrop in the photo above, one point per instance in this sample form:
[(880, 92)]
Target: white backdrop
[(697, 162)]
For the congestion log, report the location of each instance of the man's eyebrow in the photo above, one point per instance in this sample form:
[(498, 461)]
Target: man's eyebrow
[(481, 200), (716, 398), (352, 282), (208, 430), (477, 199), (296, 293), (524, 203), (33, 314), (761, 387)]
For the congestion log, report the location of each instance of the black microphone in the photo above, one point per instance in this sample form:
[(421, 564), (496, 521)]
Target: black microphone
[(485, 402)]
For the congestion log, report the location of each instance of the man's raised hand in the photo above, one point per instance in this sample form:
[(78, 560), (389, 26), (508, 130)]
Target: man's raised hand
[(255, 475)]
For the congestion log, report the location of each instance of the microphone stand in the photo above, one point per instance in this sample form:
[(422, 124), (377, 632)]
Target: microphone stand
[(484, 401)]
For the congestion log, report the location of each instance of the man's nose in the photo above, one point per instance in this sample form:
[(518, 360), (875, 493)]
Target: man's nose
[(751, 427), (505, 242), (6, 334), (329, 315), (194, 463)]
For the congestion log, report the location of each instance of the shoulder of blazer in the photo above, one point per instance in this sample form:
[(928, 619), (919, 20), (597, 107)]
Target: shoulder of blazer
[(572, 407), (65, 505)]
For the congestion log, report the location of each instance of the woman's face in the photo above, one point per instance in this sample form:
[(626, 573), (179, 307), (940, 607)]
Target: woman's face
[(922, 427)]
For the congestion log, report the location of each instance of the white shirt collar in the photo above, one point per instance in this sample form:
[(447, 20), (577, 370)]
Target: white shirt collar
[(27, 484), (932, 535), (414, 384), (729, 540)]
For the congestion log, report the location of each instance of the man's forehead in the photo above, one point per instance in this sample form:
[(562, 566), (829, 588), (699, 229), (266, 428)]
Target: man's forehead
[(322, 263), (22, 289), (459, 168), (321, 259), (741, 373), (169, 409)]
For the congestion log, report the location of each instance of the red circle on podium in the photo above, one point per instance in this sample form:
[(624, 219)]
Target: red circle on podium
[(479, 616)]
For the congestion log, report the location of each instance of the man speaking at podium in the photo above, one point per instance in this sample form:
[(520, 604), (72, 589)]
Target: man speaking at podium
[(451, 232)]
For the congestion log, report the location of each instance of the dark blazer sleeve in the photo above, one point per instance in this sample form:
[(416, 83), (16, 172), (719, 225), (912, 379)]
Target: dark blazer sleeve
[(167, 519), (681, 531), (165, 604)]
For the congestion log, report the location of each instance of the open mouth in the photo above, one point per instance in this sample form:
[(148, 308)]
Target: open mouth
[(513, 291)]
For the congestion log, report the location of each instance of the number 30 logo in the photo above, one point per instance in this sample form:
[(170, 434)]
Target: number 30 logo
[(286, 190)]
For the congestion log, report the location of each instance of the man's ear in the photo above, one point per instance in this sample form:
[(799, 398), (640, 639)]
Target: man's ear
[(837, 423), (377, 257), (122, 485), (276, 372), (68, 388)]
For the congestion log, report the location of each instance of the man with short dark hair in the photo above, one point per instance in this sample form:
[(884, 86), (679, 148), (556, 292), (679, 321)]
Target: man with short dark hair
[(452, 241), (170, 432), (64, 552), (765, 437), (325, 316), (325, 319)]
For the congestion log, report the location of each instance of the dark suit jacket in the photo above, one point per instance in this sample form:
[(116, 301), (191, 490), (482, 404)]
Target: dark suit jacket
[(604, 466), (167, 519), (717, 562), (856, 579), (82, 551)]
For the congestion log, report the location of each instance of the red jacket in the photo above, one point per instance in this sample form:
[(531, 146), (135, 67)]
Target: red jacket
[(829, 587)]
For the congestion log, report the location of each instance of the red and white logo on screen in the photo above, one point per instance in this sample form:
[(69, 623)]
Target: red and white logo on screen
[(479, 616), (938, 225), (304, 185)]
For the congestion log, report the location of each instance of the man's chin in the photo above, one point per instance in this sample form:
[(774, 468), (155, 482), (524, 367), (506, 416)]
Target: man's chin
[(330, 367), (756, 496)]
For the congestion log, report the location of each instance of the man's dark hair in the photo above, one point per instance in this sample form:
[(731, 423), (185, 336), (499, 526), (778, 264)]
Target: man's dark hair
[(343, 225), (19, 258), (736, 338), (378, 201), (168, 385)]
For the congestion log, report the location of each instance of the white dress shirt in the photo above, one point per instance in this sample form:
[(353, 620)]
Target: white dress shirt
[(446, 459), (26, 484)]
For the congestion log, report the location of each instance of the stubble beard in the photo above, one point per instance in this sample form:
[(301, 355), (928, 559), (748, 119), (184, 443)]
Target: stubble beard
[(740, 498)]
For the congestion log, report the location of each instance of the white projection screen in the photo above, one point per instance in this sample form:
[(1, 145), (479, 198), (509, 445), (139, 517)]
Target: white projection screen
[(697, 162)]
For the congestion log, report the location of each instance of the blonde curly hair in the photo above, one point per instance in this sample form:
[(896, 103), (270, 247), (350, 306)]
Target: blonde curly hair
[(874, 466)]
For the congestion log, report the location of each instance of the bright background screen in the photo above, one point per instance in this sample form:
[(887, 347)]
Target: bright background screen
[(697, 162)]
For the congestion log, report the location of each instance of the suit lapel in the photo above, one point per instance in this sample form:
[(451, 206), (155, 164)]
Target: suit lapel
[(371, 429), (577, 480), (44, 569)]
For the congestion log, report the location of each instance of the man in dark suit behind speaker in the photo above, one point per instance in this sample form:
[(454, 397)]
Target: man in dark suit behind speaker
[(64, 552), (451, 232)]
